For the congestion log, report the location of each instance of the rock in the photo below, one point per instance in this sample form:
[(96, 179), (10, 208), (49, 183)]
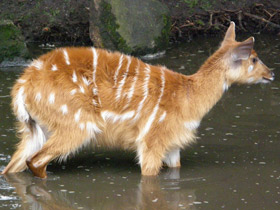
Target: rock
[(12, 45), (134, 27)]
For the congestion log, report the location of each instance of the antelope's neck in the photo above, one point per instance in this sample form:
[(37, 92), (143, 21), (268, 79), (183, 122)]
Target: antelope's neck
[(205, 88)]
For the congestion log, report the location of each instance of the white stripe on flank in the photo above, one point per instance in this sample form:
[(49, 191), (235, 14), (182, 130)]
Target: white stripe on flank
[(38, 97), (22, 113), (131, 90), (21, 81), (64, 109), (162, 117), (51, 98), (95, 57), (37, 64), (117, 71), (77, 115), (145, 89), (121, 83), (92, 129), (54, 67), (74, 77), (82, 89), (111, 116), (192, 125), (72, 92), (66, 57), (85, 81), (153, 115)]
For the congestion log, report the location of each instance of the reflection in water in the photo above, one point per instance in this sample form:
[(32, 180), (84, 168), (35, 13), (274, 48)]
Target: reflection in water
[(151, 193)]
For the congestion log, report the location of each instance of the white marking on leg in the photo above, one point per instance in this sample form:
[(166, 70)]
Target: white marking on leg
[(64, 109), (92, 129), (73, 92), (111, 116), (66, 57), (250, 68), (192, 125), (121, 83), (162, 117), (22, 113), (117, 71), (153, 115), (86, 82), (145, 90), (82, 90), (51, 98), (37, 64), (140, 154), (172, 158), (77, 115), (21, 81), (38, 97), (54, 67), (74, 77)]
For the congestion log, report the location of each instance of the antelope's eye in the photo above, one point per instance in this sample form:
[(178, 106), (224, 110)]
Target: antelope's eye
[(254, 60)]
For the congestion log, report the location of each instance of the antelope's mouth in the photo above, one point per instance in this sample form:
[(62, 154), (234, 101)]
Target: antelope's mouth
[(267, 80)]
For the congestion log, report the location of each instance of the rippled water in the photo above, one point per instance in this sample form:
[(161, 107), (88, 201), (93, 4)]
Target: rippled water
[(234, 165)]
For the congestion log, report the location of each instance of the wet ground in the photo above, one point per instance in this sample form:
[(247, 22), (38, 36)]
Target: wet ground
[(234, 165)]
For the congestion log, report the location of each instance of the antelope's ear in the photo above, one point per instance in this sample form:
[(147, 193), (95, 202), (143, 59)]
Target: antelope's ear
[(243, 50), (230, 34)]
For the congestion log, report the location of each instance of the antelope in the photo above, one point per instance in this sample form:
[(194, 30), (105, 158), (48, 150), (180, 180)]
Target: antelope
[(71, 97)]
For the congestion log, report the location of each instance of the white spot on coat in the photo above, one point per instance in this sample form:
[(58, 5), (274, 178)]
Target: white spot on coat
[(82, 89), (74, 77), (86, 82), (51, 98), (66, 57), (73, 92), (64, 109), (82, 126), (38, 97), (77, 115), (225, 86), (37, 64), (54, 67)]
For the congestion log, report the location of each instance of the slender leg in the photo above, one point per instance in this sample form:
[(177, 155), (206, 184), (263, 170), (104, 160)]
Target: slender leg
[(150, 159), (172, 158), (58, 145)]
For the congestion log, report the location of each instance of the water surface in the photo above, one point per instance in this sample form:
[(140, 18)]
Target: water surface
[(234, 165)]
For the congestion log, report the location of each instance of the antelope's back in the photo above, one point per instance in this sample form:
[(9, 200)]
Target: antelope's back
[(88, 89)]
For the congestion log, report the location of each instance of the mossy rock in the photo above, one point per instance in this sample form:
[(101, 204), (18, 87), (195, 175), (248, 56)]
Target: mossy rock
[(135, 27), (12, 43)]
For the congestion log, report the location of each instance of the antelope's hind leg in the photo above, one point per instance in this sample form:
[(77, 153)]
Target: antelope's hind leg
[(59, 145)]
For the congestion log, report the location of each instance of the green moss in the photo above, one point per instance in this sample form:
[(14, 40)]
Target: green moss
[(163, 41), (12, 43), (110, 27)]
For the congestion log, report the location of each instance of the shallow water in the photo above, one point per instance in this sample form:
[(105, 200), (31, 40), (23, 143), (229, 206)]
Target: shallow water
[(234, 165)]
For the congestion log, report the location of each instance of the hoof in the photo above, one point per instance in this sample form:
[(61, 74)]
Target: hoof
[(37, 171)]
